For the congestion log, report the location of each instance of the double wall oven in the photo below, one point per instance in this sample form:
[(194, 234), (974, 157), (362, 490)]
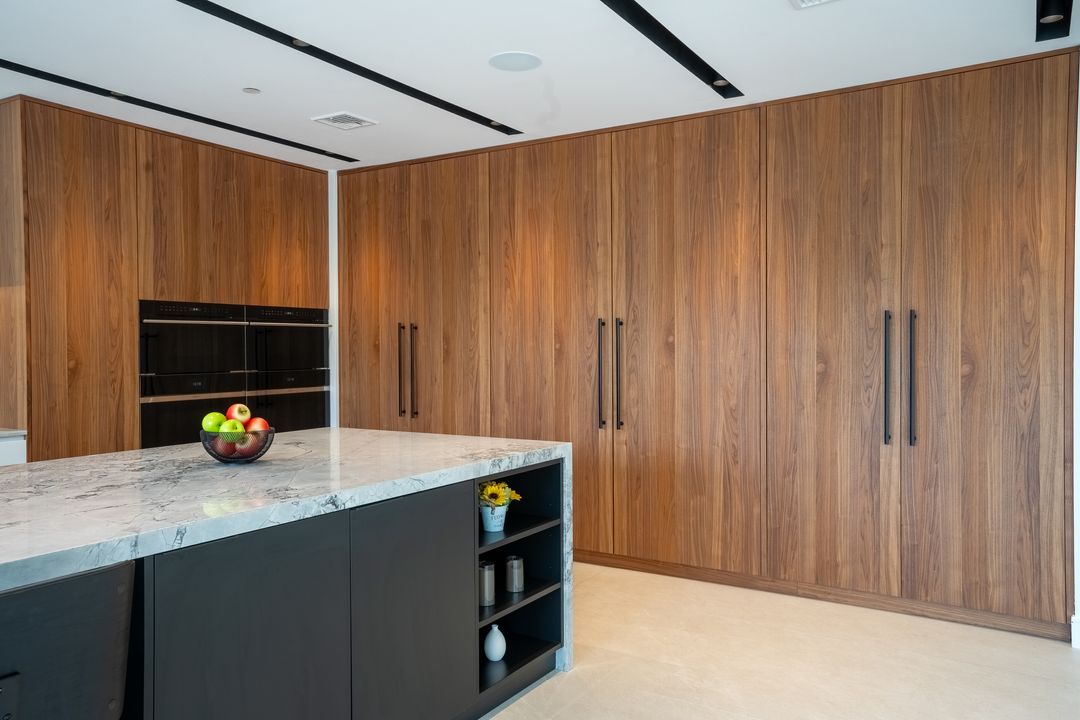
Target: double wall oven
[(198, 357)]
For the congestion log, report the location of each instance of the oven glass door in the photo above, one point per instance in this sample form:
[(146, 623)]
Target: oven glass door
[(273, 348), (170, 347)]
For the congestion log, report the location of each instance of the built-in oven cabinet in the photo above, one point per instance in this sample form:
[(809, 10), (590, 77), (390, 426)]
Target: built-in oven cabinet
[(197, 357)]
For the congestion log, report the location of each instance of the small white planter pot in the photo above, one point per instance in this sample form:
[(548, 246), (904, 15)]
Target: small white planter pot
[(494, 517)]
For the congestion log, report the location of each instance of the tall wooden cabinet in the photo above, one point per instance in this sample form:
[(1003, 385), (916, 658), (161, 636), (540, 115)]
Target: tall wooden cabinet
[(448, 296), (413, 268), (833, 431), (551, 321), (82, 280), (718, 313), (217, 225), (373, 262), (986, 158), (687, 301)]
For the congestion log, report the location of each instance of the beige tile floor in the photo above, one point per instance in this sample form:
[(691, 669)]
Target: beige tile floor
[(654, 647)]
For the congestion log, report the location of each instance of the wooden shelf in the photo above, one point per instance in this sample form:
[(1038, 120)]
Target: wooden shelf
[(520, 651), (506, 602), (517, 527)]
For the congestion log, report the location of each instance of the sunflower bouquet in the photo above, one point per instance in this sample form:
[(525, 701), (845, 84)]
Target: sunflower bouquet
[(497, 494)]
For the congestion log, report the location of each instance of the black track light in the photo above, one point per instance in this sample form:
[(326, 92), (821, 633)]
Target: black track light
[(1053, 19)]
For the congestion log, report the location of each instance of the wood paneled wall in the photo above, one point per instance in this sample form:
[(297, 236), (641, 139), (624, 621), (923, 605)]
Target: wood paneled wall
[(13, 397), (96, 214), (753, 255), (83, 284)]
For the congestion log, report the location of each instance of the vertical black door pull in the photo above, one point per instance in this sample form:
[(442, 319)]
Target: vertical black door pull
[(400, 370), (885, 380), (911, 380), (600, 372), (412, 370), (618, 373)]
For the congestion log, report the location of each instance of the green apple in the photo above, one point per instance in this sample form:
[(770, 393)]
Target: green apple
[(211, 422), (231, 431)]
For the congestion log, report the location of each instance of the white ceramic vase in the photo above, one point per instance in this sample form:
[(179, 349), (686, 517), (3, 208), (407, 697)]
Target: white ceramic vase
[(495, 644), (494, 517)]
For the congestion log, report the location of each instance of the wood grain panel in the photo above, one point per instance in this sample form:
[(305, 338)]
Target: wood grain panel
[(223, 226), (286, 220), (83, 284), (12, 268), (550, 283), (448, 234), (833, 233), (192, 239), (373, 272), (688, 283), (985, 207)]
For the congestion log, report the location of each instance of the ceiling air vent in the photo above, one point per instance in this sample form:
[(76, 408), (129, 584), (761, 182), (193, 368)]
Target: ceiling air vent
[(803, 4), (345, 121)]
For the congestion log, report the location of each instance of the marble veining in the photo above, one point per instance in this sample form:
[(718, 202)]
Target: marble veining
[(67, 516)]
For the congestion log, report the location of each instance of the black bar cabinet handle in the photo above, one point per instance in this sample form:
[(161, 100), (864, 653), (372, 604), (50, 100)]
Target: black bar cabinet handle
[(412, 369), (885, 380), (600, 324), (911, 379), (618, 373), (401, 369)]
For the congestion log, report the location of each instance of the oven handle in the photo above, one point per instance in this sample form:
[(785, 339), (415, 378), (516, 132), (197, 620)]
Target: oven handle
[(288, 324), (235, 394), (194, 322)]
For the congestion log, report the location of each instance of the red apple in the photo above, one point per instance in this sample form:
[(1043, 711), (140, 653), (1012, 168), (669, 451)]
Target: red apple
[(223, 447), (239, 411), (249, 445), (256, 423)]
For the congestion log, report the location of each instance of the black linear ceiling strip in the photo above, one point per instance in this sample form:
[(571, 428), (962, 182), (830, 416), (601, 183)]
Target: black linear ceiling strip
[(86, 87), (337, 61), (666, 40)]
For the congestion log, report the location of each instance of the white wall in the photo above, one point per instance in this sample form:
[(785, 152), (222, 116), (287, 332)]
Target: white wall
[(335, 369), (12, 449)]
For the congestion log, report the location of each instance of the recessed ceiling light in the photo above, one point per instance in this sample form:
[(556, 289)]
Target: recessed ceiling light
[(252, 91), (300, 43), (514, 61), (720, 82), (1046, 20), (496, 123), (116, 93)]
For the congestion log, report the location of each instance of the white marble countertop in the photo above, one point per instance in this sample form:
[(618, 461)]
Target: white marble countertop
[(66, 516), (11, 432)]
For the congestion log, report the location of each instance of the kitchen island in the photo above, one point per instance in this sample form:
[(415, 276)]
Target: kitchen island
[(342, 560)]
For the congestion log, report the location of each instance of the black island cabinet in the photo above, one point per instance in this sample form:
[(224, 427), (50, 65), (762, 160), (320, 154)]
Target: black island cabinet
[(364, 614)]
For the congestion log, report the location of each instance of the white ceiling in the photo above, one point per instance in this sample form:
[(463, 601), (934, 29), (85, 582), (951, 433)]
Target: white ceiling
[(597, 71)]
